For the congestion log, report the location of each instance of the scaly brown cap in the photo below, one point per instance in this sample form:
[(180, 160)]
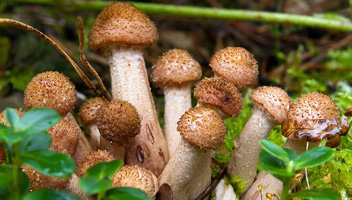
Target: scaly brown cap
[(122, 23), (88, 110), (118, 121), (237, 65), (51, 90), (220, 93), (176, 67), (64, 137), (273, 100), (94, 158), (313, 116), (40, 181), (137, 177), (202, 127), (19, 111)]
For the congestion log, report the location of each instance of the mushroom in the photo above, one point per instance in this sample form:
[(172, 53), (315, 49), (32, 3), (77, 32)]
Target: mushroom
[(93, 158), (225, 192), (223, 97), (55, 90), (270, 106), (202, 129), (175, 72), (87, 116), (137, 177), (122, 31), (237, 65), (118, 122)]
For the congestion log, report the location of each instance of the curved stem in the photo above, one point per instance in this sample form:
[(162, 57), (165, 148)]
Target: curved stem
[(198, 12)]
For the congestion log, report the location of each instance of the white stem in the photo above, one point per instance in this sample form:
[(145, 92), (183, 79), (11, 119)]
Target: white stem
[(94, 136), (306, 170), (179, 171), (129, 81), (74, 188), (116, 150), (224, 191), (177, 102), (245, 157)]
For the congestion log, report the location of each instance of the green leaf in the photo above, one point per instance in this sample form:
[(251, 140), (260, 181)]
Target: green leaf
[(38, 120), (313, 157), (11, 117), (274, 166), (291, 154), (274, 150), (6, 173), (49, 163), (105, 169), (123, 193), (50, 194), (35, 142), (94, 185), (317, 194)]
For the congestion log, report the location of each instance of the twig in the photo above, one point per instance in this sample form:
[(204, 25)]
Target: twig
[(213, 184), (26, 27), (198, 12)]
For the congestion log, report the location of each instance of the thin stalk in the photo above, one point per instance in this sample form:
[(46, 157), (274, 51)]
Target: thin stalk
[(306, 170), (213, 13), (101, 195), (285, 190), (16, 167)]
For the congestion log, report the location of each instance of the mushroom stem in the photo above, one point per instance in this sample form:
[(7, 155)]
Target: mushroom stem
[(224, 191), (244, 160), (177, 102), (74, 188), (116, 150), (94, 136), (130, 83)]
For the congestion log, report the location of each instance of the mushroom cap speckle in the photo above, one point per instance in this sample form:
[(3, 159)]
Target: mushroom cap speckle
[(19, 112), (273, 100), (64, 137), (118, 121), (313, 116), (40, 181), (220, 93), (94, 158), (87, 112), (202, 127), (137, 177), (122, 23), (237, 65), (51, 90), (176, 67)]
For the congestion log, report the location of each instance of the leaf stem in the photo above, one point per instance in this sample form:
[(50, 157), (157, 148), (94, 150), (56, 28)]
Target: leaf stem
[(101, 195), (285, 190), (15, 169), (213, 13)]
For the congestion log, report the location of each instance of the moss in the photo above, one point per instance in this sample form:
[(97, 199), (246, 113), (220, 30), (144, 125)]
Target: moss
[(239, 185)]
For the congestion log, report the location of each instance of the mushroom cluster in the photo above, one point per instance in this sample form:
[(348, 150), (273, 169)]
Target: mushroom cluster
[(177, 164)]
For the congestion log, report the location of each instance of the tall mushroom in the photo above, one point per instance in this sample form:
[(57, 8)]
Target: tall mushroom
[(202, 129), (270, 106), (122, 31), (175, 72)]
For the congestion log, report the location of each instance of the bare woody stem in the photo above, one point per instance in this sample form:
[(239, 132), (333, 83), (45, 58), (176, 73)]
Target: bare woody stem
[(198, 12)]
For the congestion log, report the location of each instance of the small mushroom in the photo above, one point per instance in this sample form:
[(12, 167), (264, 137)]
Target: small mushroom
[(93, 158), (175, 73), (137, 177), (87, 116), (118, 122), (123, 31)]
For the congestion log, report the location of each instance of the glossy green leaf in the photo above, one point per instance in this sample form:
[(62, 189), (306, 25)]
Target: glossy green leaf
[(35, 142), (291, 154), (50, 163), (105, 169), (123, 193), (38, 120), (50, 194), (11, 117), (313, 157), (317, 194), (94, 185), (273, 165), (274, 150), (5, 191)]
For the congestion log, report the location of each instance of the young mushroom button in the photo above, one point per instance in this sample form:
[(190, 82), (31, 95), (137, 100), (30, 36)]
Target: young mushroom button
[(175, 73), (122, 32)]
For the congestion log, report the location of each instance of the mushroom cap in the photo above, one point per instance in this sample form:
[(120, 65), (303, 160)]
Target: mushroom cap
[(122, 23), (137, 177), (237, 65), (19, 111), (93, 158), (176, 67), (64, 137), (40, 181), (313, 116), (273, 100), (118, 121), (51, 90), (87, 112), (220, 93), (202, 127)]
